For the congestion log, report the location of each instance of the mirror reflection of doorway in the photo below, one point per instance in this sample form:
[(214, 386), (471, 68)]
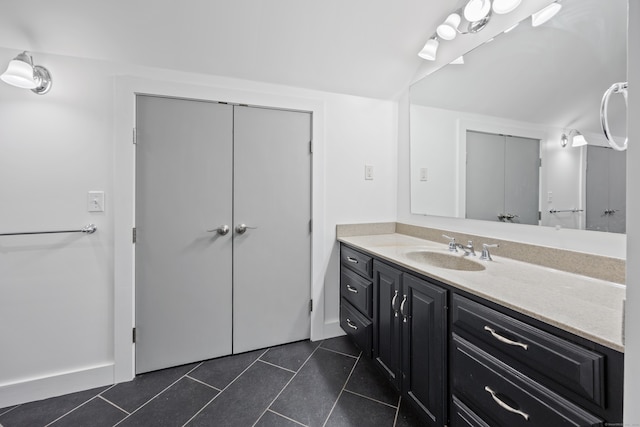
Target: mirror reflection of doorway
[(606, 188), (502, 178)]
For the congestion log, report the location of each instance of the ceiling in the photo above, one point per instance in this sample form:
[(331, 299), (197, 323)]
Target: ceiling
[(554, 74), (360, 47)]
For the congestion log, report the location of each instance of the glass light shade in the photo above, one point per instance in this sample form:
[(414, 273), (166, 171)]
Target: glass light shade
[(476, 10), (578, 141), (545, 14), (458, 61), (449, 29), (20, 74), (505, 6), (429, 50)]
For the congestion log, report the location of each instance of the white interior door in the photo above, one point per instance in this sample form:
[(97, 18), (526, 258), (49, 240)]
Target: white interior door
[(183, 273), (271, 262), (606, 189)]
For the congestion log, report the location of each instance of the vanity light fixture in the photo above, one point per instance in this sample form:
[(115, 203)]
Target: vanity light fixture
[(578, 140), (564, 139), (476, 10), (430, 49), (23, 74), (543, 15), (449, 28), (505, 6)]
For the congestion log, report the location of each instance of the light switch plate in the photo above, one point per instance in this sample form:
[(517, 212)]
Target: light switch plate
[(423, 174), (368, 172), (95, 201)]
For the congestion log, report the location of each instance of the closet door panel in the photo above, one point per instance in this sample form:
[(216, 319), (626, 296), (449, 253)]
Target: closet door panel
[(271, 262), (183, 272)]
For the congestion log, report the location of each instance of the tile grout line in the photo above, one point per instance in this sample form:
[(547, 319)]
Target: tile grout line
[(226, 387), (341, 391), (113, 404), (283, 416), (370, 398), (72, 410), (162, 391), (10, 409), (202, 382), (339, 352), (80, 405), (395, 420), (288, 382), (277, 366)]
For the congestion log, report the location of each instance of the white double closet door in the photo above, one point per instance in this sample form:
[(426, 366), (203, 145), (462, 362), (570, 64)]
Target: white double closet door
[(201, 166)]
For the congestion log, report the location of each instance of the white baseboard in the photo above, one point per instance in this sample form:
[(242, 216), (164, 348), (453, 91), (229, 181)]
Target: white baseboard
[(333, 329), (55, 384)]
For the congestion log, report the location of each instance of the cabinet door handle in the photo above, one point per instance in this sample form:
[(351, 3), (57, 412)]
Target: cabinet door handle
[(503, 405), (404, 316), (351, 289), (352, 259), (351, 324), (393, 304), (505, 340)]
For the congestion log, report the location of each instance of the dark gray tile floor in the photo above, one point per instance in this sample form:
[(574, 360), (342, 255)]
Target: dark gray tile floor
[(300, 384)]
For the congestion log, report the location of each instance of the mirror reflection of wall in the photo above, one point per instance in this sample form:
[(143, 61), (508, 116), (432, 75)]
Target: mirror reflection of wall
[(537, 83)]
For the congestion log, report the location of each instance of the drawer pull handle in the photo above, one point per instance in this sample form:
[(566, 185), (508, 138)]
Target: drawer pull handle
[(351, 259), (404, 316), (351, 324), (352, 289), (393, 304), (505, 340), (503, 405)]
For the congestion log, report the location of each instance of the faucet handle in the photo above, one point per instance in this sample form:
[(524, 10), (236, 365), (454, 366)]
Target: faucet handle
[(486, 256), (452, 243), (470, 248)]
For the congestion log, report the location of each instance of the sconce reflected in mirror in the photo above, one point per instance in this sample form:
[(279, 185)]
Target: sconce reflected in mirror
[(23, 74), (576, 138)]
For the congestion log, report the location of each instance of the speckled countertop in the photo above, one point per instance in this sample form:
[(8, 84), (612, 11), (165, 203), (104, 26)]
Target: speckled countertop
[(587, 307)]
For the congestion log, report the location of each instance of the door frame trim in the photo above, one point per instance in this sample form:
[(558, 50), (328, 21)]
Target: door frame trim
[(126, 89)]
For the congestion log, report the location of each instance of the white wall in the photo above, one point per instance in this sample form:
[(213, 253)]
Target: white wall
[(57, 305), (632, 319)]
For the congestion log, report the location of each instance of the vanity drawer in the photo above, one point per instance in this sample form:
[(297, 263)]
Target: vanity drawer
[(576, 368), (507, 397), (462, 416), (356, 261), (358, 327), (357, 290)]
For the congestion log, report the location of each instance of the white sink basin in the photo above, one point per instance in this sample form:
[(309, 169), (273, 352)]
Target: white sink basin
[(449, 261)]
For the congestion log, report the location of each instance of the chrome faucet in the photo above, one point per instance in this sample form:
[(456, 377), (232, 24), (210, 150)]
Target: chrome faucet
[(453, 246), (486, 256)]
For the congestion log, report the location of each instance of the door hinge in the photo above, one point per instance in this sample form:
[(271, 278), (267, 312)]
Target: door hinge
[(311, 146), (135, 136), (539, 215), (135, 235), (310, 305), (540, 163), (310, 226), (133, 335)]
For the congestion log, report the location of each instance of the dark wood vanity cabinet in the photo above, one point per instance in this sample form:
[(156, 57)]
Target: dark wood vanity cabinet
[(410, 337), (462, 361)]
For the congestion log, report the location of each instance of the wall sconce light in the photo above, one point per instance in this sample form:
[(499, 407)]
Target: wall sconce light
[(23, 74), (545, 14), (448, 30), (577, 139), (430, 49)]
